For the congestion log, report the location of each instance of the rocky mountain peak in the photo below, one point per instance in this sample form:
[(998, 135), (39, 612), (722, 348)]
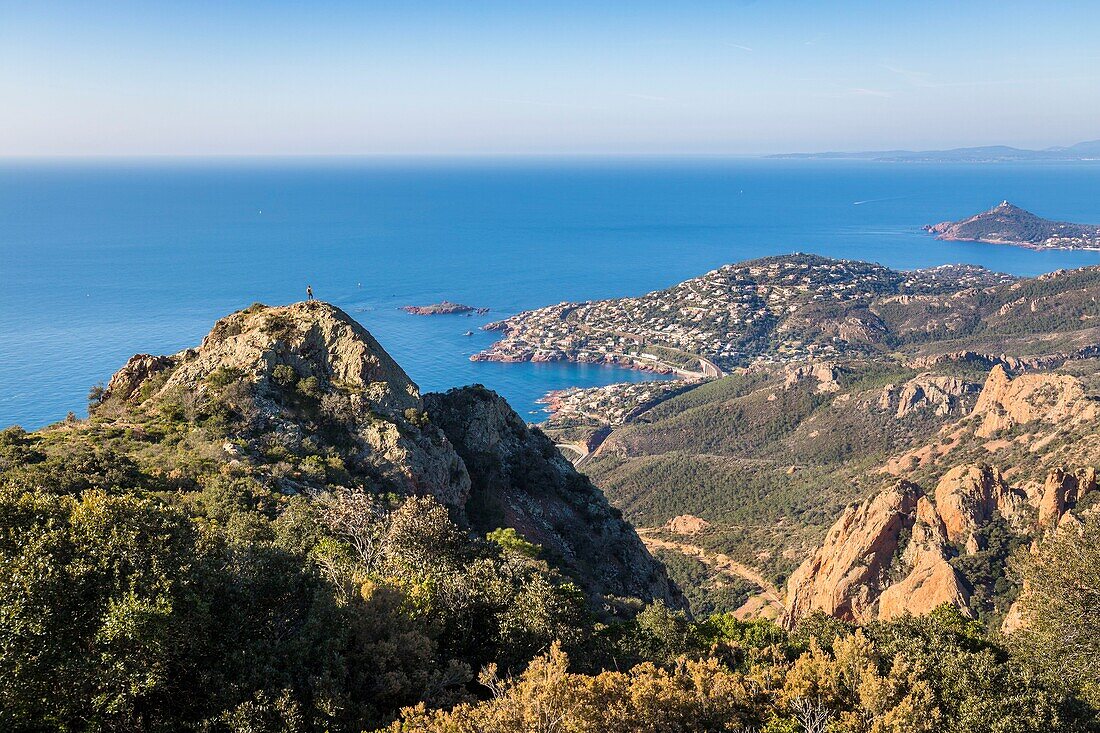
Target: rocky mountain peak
[(304, 399), (259, 343), (1005, 401)]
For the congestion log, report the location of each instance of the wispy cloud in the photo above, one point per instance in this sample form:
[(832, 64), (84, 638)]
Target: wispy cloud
[(739, 46), (548, 104), (925, 80), (916, 78), (865, 92)]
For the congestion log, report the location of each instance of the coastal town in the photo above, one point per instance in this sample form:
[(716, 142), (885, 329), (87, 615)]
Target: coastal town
[(580, 418), (774, 309)]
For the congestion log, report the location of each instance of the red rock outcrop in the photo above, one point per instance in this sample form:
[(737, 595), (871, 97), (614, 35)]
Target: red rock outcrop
[(1053, 398), (938, 394), (845, 575), (824, 373), (932, 581), (1062, 491), (967, 496)]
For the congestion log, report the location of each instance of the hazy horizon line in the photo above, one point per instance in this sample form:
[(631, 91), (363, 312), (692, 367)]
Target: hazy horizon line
[(493, 154)]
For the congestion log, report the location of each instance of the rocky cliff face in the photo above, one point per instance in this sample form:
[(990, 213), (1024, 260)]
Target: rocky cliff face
[(845, 576), (1018, 465), (306, 399), (292, 379), (521, 480), (1051, 398), (938, 394), (889, 555)]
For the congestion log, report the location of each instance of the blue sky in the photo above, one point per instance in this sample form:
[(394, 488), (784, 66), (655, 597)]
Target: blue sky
[(472, 77)]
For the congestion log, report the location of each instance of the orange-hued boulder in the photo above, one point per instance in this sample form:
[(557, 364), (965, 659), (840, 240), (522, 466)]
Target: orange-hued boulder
[(931, 583), (968, 495), (845, 575), (1054, 398), (1061, 491)]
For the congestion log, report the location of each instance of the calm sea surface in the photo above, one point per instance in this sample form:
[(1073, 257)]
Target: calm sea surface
[(99, 261)]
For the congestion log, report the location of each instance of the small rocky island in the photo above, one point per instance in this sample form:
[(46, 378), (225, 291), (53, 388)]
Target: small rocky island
[(1009, 224), (443, 308)]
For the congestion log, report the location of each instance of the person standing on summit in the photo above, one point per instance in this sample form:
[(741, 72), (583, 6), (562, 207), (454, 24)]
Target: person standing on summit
[(309, 292)]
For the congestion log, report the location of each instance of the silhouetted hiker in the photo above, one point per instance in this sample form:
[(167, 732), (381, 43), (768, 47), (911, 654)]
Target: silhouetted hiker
[(309, 292)]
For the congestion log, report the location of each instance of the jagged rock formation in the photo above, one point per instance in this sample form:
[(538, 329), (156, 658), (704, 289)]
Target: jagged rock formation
[(967, 496), (847, 573), (889, 555), (939, 394), (823, 373), (521, 480), (894, 553), (308, 397), (1052, 398), (305, 368), (931, 581), (1062, 491)]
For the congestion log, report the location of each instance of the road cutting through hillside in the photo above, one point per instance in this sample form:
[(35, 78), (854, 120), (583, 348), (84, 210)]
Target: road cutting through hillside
[(722, 563)]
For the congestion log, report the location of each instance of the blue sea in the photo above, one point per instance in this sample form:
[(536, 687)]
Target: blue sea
[(101, 260)]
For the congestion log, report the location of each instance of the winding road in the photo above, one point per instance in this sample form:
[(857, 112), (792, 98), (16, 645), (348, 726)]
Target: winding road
[(724, 564)]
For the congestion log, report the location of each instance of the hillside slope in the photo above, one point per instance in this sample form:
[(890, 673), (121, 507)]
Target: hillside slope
[(771, 455), (1009, 224), (304, 400), (784, 307)]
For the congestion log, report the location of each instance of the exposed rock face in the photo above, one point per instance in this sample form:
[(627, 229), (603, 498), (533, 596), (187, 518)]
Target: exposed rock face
[(305, 368), (849, 576), (824, 373), (967, 496), (1053, 398), (938, 394), (932, 581), (306, 381), (1062, 491), (846, 574), (127, 381), (688, 524), (315, 338), (521, 480)]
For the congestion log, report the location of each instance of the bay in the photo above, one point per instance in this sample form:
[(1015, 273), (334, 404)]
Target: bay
[(103, 259)]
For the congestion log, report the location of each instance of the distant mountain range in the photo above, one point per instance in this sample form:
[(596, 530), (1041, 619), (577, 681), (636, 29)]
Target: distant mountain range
[(1089, 150)]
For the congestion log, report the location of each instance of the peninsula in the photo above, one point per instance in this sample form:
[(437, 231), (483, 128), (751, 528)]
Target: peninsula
[(442, 308), (776, 309), (1009, 224)]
